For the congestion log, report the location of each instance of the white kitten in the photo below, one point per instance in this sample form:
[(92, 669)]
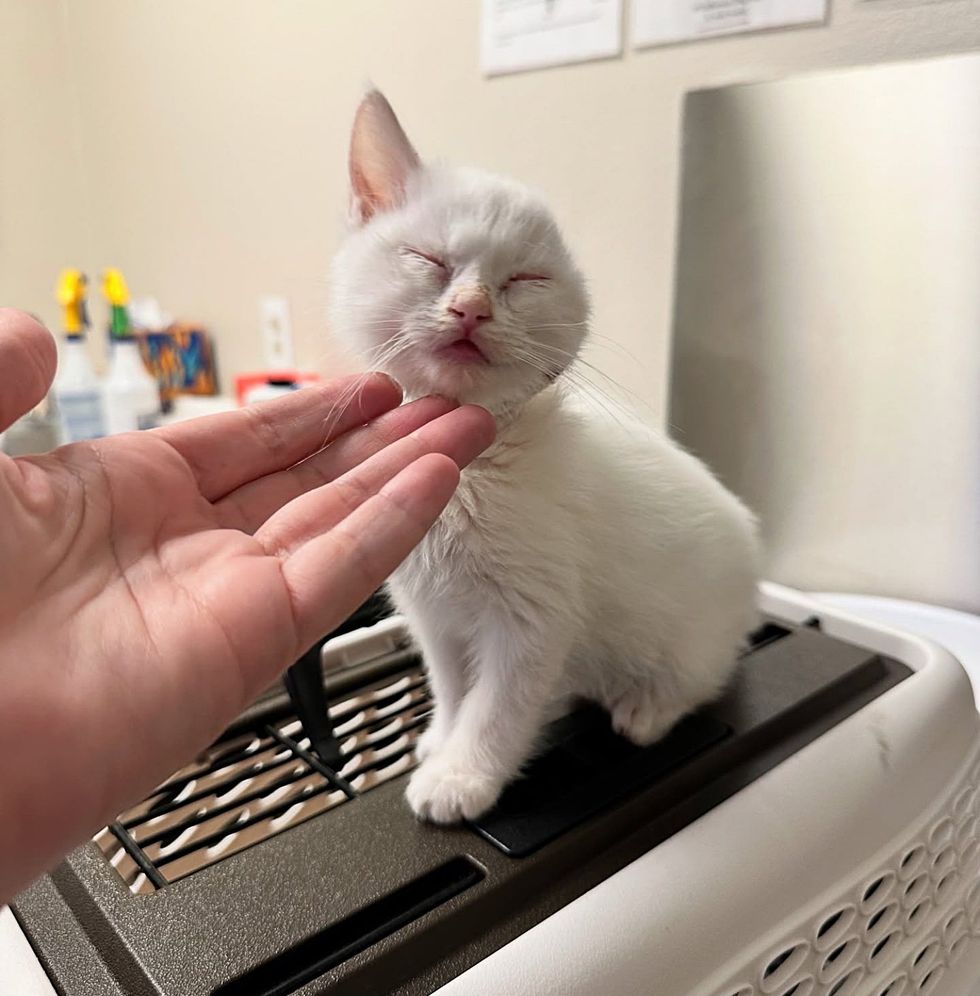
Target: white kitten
[(580, 557)]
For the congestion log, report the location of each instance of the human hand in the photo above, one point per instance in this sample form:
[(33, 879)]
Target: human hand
[(152, 584)]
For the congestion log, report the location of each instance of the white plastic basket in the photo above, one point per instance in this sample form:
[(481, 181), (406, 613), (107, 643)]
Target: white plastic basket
[(851, 868)]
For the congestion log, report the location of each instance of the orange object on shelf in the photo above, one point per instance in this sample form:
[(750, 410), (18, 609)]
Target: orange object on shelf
[(246, 381)]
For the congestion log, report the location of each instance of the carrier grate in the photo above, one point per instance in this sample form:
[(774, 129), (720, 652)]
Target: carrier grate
[(264, 778), (258, 783), (895, 932)]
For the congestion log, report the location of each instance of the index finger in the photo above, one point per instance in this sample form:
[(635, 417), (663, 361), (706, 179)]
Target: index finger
[(329, 576), (228, 450)]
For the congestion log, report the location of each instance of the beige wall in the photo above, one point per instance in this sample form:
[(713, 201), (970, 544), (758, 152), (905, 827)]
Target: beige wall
[(213, 135), (200, 146), (827, 349), (43, 205)]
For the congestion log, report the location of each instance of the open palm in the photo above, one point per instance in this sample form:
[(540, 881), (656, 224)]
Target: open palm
[(151, 584)]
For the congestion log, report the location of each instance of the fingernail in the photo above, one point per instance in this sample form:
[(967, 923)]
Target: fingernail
[(391, 380)]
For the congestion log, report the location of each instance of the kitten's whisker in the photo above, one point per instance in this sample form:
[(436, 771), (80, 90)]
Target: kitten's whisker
[(575, 378), (386, 352), (610, 341), (595, 338), (557, 325), (636, 399), (591, 392), (579, 359)]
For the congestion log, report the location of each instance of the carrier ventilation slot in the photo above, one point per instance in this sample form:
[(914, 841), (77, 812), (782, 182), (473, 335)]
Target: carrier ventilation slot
[(768, 633), (256, 784), (328, 948)]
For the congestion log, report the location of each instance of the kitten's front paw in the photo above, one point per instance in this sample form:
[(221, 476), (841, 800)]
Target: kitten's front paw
[(444, 791)]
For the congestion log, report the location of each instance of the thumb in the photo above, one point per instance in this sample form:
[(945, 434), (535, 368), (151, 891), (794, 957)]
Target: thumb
[(28, 358)]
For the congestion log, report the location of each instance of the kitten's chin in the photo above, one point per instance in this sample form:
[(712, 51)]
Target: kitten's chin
[(463, 381), (497, 389)]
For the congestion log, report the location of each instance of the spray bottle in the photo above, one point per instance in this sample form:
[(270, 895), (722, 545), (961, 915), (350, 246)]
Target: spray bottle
[(76, 389), (130, 393)]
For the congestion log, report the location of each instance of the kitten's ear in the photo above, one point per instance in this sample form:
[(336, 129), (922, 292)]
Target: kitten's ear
[(381, 158)]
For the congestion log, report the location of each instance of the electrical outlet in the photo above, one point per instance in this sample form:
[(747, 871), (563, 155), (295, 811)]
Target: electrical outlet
[(277, 333)]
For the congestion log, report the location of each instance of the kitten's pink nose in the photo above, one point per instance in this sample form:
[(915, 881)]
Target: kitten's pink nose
[(470, 306)]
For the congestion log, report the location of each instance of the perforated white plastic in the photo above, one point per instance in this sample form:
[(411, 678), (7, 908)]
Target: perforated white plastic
[(897, 930), (851, 869)]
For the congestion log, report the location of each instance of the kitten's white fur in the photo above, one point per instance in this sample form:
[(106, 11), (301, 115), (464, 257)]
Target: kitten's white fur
[(583, 556)]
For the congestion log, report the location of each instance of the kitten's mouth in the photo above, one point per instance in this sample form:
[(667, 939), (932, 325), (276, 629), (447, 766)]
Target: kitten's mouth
[(464, 351)]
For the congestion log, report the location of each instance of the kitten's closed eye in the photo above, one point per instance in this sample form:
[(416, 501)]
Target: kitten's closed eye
[(425, 257), (524, 278)]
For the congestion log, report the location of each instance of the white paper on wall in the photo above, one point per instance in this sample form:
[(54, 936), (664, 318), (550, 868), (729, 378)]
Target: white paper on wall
[(661, 22), (530, 34)]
